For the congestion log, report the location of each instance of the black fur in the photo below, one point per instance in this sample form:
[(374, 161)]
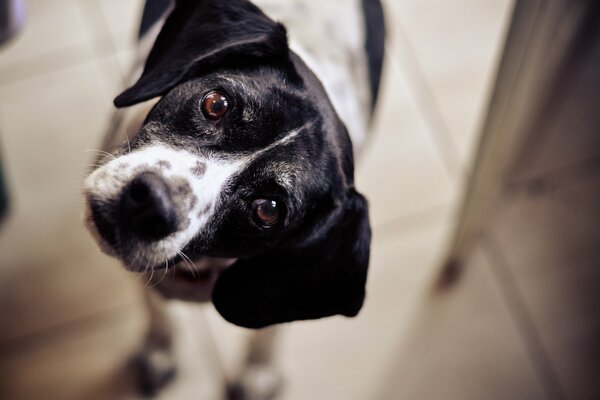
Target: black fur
[(314, 262), (374, 44), (199, 36), (322, 274), (153, 11)]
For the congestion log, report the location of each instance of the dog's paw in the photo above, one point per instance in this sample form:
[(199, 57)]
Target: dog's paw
[(257, 382), (156, 369)]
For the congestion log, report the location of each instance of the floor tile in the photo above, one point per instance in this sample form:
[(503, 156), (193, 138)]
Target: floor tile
[(456, 46), (126, 59), (46, 255), (462, 344), (46, 291), (122, 19), (46, 63), (342, 358), (550, 244), (45, 135), (86, 364), (50, 26), (400, 171)]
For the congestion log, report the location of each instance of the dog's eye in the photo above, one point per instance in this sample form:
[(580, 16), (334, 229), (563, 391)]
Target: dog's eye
[(214, 105), (266, 212)]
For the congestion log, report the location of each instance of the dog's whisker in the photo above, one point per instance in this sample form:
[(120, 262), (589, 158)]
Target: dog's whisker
[(95, 165), (106, 153), (151, 274), (192, 267), (149, 280), (164, 275)]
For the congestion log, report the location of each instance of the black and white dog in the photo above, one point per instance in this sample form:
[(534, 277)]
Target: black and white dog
[(240, 181)]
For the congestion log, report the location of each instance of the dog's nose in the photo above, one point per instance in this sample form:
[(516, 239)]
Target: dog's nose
[(147, 209)]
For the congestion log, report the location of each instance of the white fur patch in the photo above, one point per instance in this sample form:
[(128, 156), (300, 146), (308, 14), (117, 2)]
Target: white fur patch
[(108, 181), (206, 177)]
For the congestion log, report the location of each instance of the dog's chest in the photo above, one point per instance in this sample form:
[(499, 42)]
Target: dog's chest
[(329, 37)]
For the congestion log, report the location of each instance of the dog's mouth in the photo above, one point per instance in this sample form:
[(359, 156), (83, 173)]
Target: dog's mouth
[(191, 280), (200, 271), (189, 275)]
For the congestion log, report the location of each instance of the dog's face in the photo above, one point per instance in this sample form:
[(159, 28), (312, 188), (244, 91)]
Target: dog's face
[(242, 158)]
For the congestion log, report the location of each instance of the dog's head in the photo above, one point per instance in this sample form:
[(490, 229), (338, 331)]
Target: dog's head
[(244, 158)]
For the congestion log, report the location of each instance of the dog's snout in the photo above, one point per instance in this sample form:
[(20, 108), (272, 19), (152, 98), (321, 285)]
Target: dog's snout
[(147, 208)]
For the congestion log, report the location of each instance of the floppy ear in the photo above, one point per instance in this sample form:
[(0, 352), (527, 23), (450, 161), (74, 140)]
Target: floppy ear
[(322, 276), (196, 36)]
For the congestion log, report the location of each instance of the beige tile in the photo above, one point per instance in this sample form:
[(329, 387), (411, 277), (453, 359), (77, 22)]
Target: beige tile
[(56, 36), (43, 64), (51, 270), (456, 45), (119, 21), (461, 345), (45, 291), (50, 26), (123, 20), (400, 171), (341, 358), (550, 244), (66, 34), (89, 363), (47, 126), (125, 59)]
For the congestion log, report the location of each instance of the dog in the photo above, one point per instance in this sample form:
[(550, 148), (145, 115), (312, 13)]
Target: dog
[(239, 185)]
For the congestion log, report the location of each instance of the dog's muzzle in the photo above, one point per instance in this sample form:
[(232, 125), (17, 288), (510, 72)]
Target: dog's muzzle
[(138, 223), (146, 206), (146, 209)]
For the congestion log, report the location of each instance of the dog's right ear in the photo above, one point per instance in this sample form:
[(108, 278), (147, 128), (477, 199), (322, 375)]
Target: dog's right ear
[(324, 274), (200, 34)]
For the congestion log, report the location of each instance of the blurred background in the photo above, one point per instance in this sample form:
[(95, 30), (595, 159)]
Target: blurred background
[(483, 176)]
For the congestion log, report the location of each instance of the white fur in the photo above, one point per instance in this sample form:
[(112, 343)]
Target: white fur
[(107, 183)]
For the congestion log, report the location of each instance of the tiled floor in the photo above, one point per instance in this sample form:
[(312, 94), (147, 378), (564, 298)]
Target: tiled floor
[(75, 317), (465, 341)]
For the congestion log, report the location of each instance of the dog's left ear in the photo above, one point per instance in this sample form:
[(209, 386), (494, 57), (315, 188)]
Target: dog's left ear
[(323, 275), (200, 34)]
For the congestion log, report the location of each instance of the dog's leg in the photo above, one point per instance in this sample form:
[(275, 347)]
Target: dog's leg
[(259, 378), (156, 362)]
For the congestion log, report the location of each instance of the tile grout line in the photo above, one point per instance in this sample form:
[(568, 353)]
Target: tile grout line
[(93, 12), (426, 107), (411, 221), (33, 341), (75, 54), (522, 318)]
